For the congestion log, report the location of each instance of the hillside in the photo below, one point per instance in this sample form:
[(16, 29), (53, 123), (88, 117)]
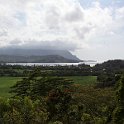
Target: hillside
[(35, 59), (37, 52)]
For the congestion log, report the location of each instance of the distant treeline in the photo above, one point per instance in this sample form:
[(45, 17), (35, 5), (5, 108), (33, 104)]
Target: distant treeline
[(109, 67)]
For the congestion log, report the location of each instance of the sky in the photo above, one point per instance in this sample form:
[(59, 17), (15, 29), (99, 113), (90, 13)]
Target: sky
[(90, 29)]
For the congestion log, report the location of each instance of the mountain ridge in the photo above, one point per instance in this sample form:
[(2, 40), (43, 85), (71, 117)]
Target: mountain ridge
[(35, 59), (37, 52), (36, 56)]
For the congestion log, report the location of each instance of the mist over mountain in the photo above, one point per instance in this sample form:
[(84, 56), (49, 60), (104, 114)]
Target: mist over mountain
[(36, 55)]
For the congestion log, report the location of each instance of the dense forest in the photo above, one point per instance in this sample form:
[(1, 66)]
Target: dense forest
[(45, 96)]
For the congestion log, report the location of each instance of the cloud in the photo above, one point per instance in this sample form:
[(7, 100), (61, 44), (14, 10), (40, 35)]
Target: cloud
[(57, 24)]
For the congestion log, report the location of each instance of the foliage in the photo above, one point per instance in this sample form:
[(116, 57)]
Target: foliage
[(98, 103), (34, 86), (22, 111), (118, 114), (7, 82), (77, 105), (107, 80), (111, 66), (58, 103), (42, 99)]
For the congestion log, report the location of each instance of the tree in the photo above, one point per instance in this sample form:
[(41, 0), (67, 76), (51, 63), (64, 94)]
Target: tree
[(118, 114), (36, 86), (58, 103), (24, 111)]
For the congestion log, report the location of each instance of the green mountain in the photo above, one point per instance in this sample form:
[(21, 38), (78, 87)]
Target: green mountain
[(13, 55), (35, 59), (37, 52)]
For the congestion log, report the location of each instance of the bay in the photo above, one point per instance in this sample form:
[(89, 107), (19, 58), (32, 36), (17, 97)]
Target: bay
[(52, 64)]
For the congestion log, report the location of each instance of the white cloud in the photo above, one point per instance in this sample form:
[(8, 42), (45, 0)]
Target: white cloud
[(62, 24)]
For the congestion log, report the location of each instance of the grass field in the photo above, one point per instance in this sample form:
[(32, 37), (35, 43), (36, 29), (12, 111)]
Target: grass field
[(7, 82), (84, 80)]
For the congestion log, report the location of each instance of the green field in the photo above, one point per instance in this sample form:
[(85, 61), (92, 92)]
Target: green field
[(84, 80), (7, 82)]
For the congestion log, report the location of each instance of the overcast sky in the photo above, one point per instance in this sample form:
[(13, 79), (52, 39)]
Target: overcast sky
[(90, 29)]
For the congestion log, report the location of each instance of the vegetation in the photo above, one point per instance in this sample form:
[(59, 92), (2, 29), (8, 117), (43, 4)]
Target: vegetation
[(63, 94), (37, 52), (35, 59), (5, 84), (110, 67), (83, 80), (54, 99), (118, 114)]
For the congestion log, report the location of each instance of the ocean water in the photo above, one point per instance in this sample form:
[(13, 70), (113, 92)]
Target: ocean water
[(53, 64)]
